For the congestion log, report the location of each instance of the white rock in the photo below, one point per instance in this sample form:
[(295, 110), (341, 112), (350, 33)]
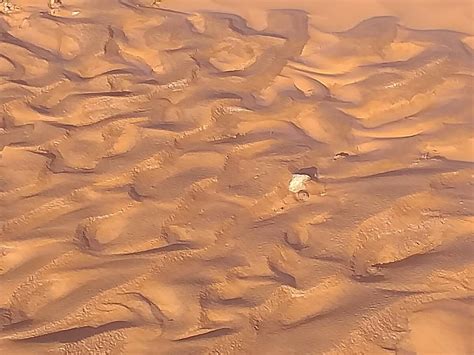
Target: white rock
[(298, 182)]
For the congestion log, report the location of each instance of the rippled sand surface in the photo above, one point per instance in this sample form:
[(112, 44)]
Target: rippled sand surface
[(145, 157)]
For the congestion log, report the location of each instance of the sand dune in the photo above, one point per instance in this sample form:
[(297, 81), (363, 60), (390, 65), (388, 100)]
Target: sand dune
[(145, 157)]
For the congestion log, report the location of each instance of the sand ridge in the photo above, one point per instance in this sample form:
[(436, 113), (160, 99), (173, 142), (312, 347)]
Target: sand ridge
[(145, 157)]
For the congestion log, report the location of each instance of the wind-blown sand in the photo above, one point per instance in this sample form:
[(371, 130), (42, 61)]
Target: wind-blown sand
[(145, 160)]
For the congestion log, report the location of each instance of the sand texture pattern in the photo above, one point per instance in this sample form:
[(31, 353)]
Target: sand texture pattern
[(145, 159)]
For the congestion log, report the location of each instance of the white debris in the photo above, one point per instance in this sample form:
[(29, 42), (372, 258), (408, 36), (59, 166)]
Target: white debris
[(54, 4), (6, 7), (298, 182)]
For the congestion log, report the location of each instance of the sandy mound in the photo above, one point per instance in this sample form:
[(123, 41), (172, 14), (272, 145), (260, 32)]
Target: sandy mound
[(146, 155)]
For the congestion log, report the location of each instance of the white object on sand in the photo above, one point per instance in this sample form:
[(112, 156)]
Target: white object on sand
[(54, 4), (298, 182), (6, 7)]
